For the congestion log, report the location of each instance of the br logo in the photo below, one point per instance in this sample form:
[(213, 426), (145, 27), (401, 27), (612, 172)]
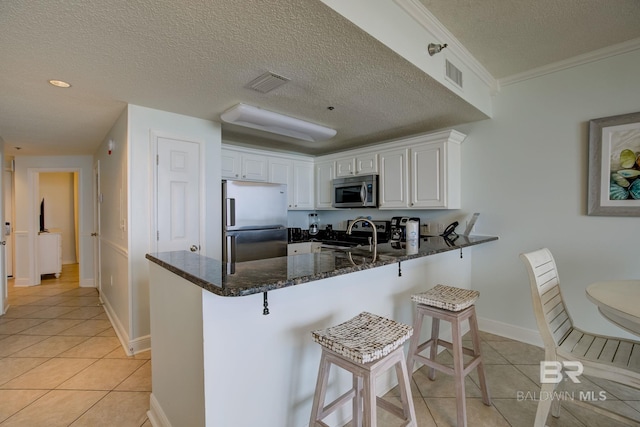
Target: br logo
[(552, 372)]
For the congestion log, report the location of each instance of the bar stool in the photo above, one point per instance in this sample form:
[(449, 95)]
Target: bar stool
[(366, 346), (454, 305)]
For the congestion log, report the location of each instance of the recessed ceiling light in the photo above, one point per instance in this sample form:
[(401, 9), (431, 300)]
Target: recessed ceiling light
[(59, 83)]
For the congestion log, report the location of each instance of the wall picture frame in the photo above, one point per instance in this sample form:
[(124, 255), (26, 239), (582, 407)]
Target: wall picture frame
[(614, 166)]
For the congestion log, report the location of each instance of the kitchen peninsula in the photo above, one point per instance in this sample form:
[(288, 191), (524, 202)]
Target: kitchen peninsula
[(219, 361)]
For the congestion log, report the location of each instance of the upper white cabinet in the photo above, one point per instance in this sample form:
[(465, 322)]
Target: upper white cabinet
[(298, 175), (363, 164), (394, 179), (422, 173), (325, 173), (244, 166), (256, 165)]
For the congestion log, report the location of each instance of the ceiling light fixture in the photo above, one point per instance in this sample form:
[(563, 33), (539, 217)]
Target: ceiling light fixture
[(59, 83), (257, 118), (435, 48)]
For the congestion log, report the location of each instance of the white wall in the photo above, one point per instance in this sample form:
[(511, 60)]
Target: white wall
[(126, 211), (27, 210), (526, 172)]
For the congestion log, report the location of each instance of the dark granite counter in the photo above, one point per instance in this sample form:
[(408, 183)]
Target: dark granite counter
[(251, 277)]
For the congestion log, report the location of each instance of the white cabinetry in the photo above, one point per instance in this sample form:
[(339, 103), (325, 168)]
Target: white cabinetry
[(256, 165), (298, 175), (304, 248), (366, 163), (244, 166), (325, 173), (394, 179), (50, 253), (422, 173)]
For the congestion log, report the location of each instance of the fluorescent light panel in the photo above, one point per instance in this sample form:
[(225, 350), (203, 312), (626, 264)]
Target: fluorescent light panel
[(257, 118)]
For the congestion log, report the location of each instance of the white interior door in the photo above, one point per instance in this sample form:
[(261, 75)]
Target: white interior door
[(178, 195), (8, 218), (4, 303)]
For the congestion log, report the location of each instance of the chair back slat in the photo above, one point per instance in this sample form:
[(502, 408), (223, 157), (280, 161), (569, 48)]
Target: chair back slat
[(551, 313)]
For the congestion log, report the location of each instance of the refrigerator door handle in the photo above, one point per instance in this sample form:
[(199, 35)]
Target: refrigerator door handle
[(231, 249), (231, 212)]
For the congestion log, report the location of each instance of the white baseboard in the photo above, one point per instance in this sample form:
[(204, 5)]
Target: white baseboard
[(528, 336), (87, 283), (139, 345), (130, 346), (155, 413), (20, 282)]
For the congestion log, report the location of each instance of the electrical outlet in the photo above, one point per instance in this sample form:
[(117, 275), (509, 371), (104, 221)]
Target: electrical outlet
[(440, 228)]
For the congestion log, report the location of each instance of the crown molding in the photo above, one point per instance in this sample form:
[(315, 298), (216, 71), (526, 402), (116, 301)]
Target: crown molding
[(596, 55), (429, 22)]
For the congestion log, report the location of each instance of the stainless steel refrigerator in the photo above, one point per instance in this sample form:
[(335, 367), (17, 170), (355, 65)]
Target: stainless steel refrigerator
[(254, 220)]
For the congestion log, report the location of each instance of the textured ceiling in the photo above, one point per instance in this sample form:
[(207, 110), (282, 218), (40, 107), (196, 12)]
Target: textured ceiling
[(510, 37), (195, 57)]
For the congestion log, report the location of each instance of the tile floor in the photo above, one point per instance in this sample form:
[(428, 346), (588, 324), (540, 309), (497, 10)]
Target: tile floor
[(61, 363)]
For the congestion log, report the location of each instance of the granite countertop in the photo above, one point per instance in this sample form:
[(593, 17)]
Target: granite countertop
[(251, 277)]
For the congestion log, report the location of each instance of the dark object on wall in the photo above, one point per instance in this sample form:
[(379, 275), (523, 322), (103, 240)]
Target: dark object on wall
[(42, 229)]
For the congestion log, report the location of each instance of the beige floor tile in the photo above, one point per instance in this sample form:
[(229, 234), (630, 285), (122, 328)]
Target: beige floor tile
[(72, 301), (12, 401), (444, 411), (51, 312), (94, 347), (140, 380), (11, 367), (49, 374), (26, 300), (117, 353), (105, 374), (522, 413), (17, 326), (122, 409), (109, 332), (20, 311), (50, 347), (88, 328), (57, 408), (505, 381), (101, 316), (14, 343), (385, 419), (518, 353), (83, 312), (443, 385), (51, 327)]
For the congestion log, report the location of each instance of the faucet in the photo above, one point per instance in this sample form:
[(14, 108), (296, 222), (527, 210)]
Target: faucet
[(373, 230)]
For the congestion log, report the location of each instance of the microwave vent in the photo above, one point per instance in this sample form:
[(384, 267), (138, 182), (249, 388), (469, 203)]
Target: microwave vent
[(267, 82), (453, 73)]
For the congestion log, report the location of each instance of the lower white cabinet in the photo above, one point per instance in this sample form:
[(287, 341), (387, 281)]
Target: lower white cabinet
[(50, 253)]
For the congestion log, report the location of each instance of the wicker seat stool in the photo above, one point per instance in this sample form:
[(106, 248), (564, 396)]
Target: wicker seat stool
[(366, 346), (454, 305)]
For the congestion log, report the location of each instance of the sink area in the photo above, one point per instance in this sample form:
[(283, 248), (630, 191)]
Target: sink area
[(356, 255)]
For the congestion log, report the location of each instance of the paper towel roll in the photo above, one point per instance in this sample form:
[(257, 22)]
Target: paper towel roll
[(413, 231)]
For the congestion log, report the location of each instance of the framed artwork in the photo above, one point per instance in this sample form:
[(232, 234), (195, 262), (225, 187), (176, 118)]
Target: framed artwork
[(614, 166)]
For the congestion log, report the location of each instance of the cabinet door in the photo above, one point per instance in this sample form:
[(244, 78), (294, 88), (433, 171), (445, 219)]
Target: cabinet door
[(325, 172), (281, 172), (367, 164), (254, 167), (303, 188), (230, 163), (427, 177), (345, 167), (393, 180)]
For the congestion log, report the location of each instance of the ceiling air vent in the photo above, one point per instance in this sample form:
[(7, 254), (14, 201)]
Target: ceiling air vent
[(267, 82), (453, 74)]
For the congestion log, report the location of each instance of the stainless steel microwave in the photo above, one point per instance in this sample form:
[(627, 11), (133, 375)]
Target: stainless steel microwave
[(355, 192)]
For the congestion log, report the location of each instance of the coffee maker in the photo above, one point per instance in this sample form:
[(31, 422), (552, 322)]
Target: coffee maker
[(399, 227)]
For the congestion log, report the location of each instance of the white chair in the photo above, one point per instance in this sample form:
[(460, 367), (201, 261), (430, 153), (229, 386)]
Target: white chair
[(604, 357)]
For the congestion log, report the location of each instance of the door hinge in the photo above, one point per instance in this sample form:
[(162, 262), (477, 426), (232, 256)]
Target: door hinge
[(157, 159), (158, 235)]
